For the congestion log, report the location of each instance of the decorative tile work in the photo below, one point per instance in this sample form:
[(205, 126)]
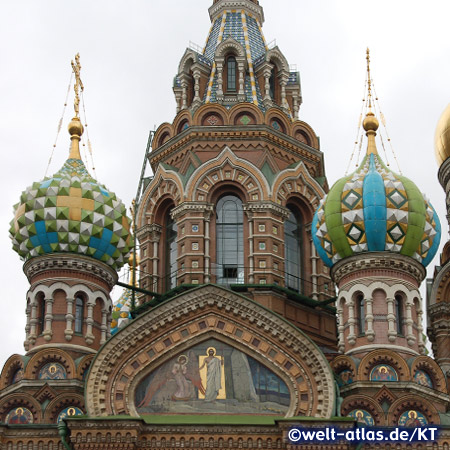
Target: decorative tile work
[(375, 209), (71, 212)]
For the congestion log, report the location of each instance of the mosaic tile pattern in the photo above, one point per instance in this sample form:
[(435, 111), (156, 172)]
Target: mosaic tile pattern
[(121, 313), (71, 212), (375, 210)]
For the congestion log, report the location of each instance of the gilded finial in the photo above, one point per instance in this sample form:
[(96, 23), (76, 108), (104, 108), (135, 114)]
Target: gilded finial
[(75, 126), (370, 123), (76, 66), (369, 81)]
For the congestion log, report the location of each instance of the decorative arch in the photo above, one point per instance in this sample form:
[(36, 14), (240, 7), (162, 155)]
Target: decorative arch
[(412, 402), (241, 109), (12, 365), (227, 168), (59, 403), (190, 57), (208, 110), (430, 366), (363, 402), (165, 184), (229, 45), (441, 286), (383, 356), (83, 366), (21, 399), (162, 135), (182, 118), (297, 182), (304, 133), (343, 362), (209, 311), (274, 55), (47, 356)]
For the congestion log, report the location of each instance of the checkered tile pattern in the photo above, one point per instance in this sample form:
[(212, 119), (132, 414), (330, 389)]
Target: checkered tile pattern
[(71, 212)]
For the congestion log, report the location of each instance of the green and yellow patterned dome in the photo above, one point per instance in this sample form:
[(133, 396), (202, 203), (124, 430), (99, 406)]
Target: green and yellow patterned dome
[(71, 212), (375, 210)]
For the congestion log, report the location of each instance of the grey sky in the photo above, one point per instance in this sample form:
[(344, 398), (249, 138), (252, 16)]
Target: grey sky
[(130, 52)]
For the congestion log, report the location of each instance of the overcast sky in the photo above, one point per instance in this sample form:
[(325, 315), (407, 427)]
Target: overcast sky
[(130, 52)]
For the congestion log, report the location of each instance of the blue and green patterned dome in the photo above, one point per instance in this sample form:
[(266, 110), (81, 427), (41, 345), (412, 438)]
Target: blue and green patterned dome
[(375, 210), (71, 213)]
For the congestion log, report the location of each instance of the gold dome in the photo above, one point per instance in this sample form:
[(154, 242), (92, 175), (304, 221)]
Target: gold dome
[(442, 137)]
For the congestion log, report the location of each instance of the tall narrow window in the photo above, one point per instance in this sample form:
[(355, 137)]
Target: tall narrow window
[(272, 84), (171, 253), (79, 313), (230, 240), (293, 250), (231, 74), (399, 314), (41, 315), (361, 312)]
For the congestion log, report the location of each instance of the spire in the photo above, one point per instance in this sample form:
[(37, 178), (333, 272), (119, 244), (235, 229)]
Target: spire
[(370, 123), (75, 127)]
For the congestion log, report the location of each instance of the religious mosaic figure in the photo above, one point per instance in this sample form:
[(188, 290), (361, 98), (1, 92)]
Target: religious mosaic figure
[(70, 411), (184, 372), (52, 371), (383, 372), (362, 416), (19, 416), (412, 418), (179, 372), (213, 374), (422, 378), (345, 377)]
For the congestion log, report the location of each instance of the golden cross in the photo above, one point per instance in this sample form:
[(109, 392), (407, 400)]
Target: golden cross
[(76, 66), (369, 82)]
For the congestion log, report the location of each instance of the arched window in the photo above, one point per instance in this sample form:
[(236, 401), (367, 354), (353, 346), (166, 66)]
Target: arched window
[(41, 315), (293, 250), (171, 253), (230, 240), (272, 84), (399, 314), (231, 74), (361, 312), (79, 313)]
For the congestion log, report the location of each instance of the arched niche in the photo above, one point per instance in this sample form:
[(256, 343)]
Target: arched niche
[(193, 318)]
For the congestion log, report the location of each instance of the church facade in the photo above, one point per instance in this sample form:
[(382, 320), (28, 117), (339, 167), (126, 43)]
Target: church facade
[(263, 300)]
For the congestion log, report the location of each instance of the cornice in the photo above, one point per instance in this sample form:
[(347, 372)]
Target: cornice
[(279, 210), (381, 260), (217, 9), (232, 133), (70, 262)]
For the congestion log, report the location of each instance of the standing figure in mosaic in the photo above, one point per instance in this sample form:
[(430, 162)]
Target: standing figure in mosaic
[(179, 371), (213, 375)]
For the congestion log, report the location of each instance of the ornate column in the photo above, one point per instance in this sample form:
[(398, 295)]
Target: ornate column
[(103, 326), (155, 236), (219, 71), (68, 332), (283, 83), (241, 69), (392, 332), (33, 322), (207, 262), (295, 98), (351, 322), (314, 258), (27, 326), (419, 312), (410, 338), (370, 333), (48, 319), (90, 322), (267, 100), (196, 74), (341, 327), (184, 86)]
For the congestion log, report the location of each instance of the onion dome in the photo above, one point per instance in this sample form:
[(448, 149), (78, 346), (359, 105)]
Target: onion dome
[(375, 210), (71, 212), (442, 137), (121, 313)]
